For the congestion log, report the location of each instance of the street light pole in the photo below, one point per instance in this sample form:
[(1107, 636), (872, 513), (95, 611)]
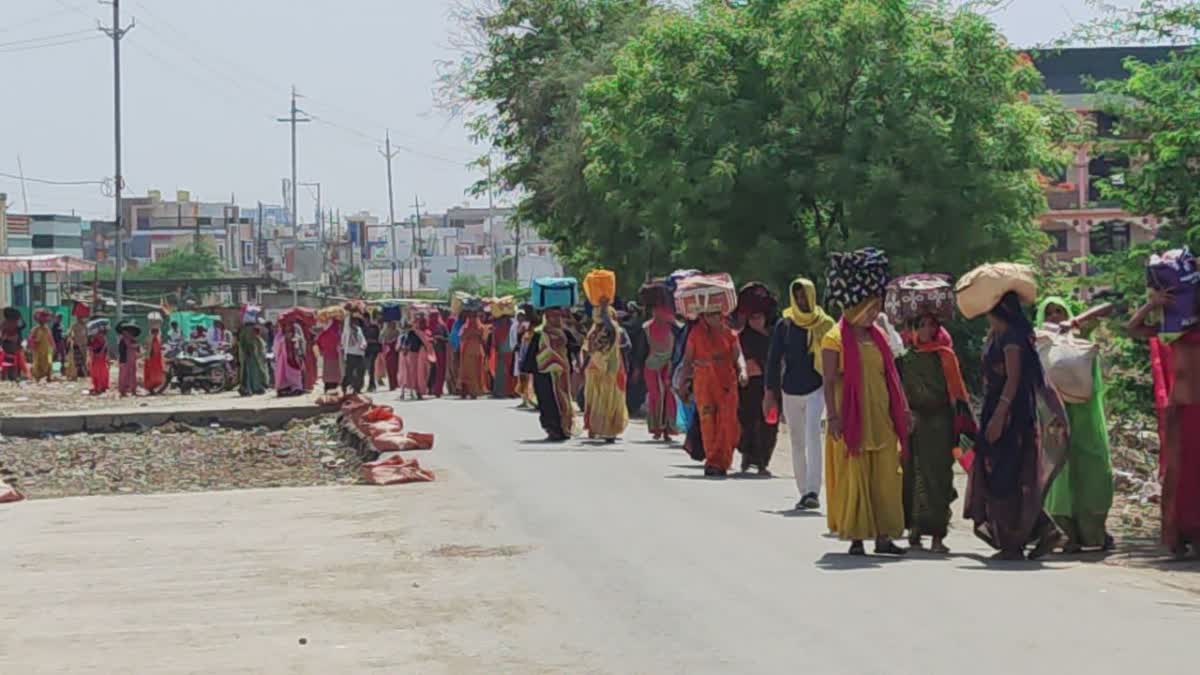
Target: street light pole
[(388, 154)]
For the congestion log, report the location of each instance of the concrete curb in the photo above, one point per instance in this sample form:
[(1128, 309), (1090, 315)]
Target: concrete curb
[(103, 422)]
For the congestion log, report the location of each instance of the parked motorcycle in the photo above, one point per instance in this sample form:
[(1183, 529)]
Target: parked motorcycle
[(196, 365)]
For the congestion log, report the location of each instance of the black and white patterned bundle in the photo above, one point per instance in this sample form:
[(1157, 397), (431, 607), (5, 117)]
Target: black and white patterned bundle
[(854, 277)]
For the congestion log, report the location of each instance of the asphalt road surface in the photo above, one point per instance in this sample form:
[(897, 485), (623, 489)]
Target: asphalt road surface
[(655, 569), (525, 557)]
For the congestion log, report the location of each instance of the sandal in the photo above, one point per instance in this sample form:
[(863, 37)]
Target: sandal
[(940, 549), (1048, 542), (914, 543), (857, 548), (889, 548), (1008, 556)]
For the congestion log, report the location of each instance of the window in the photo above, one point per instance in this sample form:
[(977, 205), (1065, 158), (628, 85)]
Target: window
[(221, 252), (247, 253), (1109, 236), (1058, 241)]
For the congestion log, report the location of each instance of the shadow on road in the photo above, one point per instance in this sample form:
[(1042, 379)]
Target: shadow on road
[(794, 513), (844, 562)]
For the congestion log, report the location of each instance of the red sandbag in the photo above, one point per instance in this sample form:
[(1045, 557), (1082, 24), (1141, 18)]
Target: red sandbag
[(423, 440), (379, 413), (394, 442), (395, 470), (9, 493), (375, 429)]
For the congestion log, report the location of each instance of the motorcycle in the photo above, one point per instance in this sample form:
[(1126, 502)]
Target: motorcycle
[(197, 365)]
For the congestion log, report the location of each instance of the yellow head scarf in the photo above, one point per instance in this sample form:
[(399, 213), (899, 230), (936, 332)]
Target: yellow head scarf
[(816, 321)]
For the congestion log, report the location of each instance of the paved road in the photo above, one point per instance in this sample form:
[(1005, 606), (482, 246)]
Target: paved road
[(656, 569), (532, 558)]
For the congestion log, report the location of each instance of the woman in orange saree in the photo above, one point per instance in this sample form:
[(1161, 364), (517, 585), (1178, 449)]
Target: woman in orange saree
[(472, 366), (714, 356)]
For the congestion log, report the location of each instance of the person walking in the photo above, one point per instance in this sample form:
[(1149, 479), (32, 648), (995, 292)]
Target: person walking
[(354, 346), (714, 358), (756, 310), (1008, 481), (1082, 493), (934, 386), (794, 380), (372, 332), (868, 414), (605, 414)]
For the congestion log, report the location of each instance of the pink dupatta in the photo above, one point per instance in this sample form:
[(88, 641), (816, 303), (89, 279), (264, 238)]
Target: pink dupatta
[(852, 385)]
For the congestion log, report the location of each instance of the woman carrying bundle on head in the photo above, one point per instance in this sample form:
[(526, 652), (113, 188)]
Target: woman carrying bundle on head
[(41, 344), (605, 414), (128, 351), (472, 362), (713, 358), (552, 351), (1008, 478), (98, 356), (937, 395), (756, 310), (868, 414), (661, 332)]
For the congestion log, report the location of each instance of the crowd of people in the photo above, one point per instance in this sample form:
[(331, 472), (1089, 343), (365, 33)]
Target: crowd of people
[(877, 408), (878, 414)]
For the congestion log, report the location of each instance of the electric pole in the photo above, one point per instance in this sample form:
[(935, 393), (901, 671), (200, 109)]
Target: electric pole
[(417, 241), (116, 33), (492, 227), (388, 154), (293, 119)]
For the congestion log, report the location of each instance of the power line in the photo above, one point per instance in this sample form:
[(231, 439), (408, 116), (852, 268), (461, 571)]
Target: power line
[(238, 70), (47, 181), (44, 38), (32, 20), (60, 43)]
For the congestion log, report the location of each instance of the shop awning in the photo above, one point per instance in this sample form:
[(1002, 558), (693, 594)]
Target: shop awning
[(12, 264)]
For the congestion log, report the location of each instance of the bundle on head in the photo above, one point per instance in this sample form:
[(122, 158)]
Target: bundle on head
[(856, 276)]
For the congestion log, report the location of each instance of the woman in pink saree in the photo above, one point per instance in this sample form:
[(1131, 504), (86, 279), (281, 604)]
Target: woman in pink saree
[(418, 356), (289, 351)]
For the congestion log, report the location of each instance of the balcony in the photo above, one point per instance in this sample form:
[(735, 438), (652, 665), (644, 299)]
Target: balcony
[(1062, 200)]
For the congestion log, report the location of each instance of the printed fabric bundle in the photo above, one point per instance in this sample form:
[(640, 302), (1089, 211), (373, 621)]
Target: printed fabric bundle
[(856, 276)]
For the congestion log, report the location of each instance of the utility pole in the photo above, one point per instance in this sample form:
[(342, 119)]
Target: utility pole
[(491, 226), (116, 33), (24, 196), (293, 119), (388, 154), (417, 240), (258, 242)]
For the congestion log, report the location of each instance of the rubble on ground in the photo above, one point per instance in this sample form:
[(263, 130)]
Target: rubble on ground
[(178, 458)]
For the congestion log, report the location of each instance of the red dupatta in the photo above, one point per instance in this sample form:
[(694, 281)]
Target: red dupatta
[(852, 385)]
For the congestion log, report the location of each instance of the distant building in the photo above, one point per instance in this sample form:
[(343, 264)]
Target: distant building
[(1080, 221), (40, 234), (157, 227), (458, 242)]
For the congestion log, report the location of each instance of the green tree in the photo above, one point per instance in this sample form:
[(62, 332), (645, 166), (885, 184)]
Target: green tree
[(182, 263), (519, 80), (1156, 134), (758, 138)]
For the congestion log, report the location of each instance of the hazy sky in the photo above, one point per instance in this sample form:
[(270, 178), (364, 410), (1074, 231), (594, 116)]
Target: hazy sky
[(204, 81)]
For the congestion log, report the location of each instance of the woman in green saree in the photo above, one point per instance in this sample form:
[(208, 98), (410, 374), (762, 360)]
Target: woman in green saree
[(1082, 493), (941, 413), (252, 361)]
